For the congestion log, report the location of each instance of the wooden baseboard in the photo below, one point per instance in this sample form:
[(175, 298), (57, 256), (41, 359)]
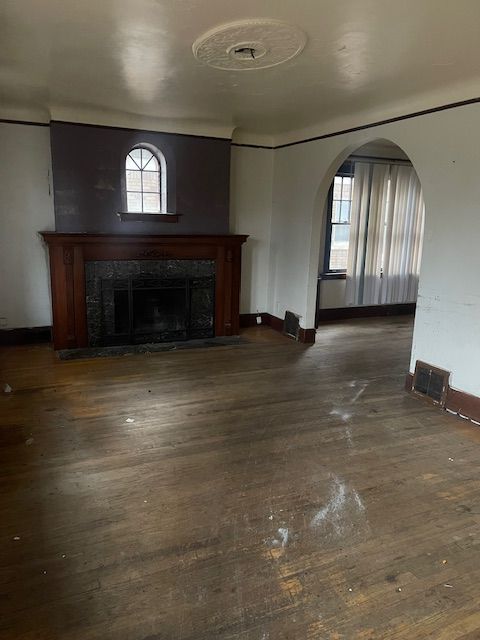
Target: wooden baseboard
[(460, 402), (250, 319), (374, 311), (26, 335), (463, 403), (409, 382), (307, 336), (275, 323)]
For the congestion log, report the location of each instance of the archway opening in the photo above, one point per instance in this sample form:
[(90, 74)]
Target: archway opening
[(371, 236)]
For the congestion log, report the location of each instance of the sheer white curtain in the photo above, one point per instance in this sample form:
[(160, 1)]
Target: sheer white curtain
[(403, 238), (369, 203), (386, 235), (358, 222)]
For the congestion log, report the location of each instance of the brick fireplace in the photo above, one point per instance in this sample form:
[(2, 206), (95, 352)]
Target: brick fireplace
[(126, 289)]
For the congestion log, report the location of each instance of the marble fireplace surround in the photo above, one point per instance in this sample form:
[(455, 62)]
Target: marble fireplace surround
[(70, 251)]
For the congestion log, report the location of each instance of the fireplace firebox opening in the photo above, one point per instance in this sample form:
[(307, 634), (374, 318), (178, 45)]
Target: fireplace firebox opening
[(136, 302)]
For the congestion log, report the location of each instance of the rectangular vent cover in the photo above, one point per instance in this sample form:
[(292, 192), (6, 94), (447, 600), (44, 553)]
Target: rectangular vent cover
[(431, 382), (291, 324)]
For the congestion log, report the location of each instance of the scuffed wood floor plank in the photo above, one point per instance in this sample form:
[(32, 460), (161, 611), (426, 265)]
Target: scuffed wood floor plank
[(265, 491)]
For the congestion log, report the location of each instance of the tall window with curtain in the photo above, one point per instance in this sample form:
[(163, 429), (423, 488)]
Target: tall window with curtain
[(385, 234), (338, 229)]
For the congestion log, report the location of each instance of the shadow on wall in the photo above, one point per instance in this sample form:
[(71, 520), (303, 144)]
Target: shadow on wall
[(249, 268)]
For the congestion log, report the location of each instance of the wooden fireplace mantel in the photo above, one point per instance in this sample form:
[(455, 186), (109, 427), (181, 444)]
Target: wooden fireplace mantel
[(70, 251)]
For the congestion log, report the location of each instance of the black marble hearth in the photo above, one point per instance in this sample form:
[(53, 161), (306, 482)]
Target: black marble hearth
[(148, 301), (132, 349)]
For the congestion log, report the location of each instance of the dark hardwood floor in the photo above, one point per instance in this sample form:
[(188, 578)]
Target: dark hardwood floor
[(265, 491)]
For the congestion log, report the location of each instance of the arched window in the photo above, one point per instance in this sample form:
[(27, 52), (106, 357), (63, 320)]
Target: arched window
[(146, 180)]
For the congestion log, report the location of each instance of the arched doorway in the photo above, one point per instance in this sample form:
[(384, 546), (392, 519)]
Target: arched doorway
[(371, 234)]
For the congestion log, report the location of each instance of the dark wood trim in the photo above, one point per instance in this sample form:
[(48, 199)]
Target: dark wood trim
[(409, 381), (26, 123), (117, 128), (54, 238), (378, 123), (70, 251), (148, 217), (252, 146), (25, 335), (374, 311), (333, 275), (307, 336), (276, 323), (462, 403), (219, 288), (250, 319)]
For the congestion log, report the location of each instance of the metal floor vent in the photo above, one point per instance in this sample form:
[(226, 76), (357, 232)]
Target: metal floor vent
[(431, 382), (291, 324)]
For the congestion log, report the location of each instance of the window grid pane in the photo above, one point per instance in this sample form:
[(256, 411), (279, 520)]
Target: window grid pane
[(346, 188), (142, 173), (134, 202), (337, 188), (151, 202), (134, 180), (340, 222), (151, 181), (339, 247), (136, 157)]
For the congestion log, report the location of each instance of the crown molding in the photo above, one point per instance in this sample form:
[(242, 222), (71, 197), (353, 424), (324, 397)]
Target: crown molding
[(200, 128), (118, 120), (410, 107)]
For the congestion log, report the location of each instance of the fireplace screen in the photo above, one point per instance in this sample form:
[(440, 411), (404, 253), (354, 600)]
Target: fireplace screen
[(135, 302)]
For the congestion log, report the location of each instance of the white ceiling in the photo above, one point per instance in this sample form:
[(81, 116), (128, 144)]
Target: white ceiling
[(130, 63)]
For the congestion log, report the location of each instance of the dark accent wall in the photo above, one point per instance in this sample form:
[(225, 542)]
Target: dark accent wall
[(88, 167)]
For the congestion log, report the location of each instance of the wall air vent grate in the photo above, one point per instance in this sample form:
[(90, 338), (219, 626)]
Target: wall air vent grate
[(430, 382), (291, 324)]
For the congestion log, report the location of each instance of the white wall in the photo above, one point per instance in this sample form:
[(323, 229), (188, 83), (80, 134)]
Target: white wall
[(26, 207), (444, 150), (332, 294), (250, 213)]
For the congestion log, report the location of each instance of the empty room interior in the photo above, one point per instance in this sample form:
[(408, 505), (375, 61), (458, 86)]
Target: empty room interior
[(239, 320)]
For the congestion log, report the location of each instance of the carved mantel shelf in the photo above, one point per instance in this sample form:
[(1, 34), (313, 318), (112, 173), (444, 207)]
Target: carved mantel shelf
[(70, 251)]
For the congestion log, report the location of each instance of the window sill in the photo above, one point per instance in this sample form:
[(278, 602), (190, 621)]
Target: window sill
[(333, 275), (148, 217)]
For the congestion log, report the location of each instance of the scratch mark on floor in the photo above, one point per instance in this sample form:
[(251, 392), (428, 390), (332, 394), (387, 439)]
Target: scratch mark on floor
[(344, 513)]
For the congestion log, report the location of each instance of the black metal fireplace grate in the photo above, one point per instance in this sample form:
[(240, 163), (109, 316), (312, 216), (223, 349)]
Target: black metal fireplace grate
[(137, 302)]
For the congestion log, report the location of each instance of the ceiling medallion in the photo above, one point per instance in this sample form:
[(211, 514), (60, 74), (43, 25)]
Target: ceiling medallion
[(245, 45)]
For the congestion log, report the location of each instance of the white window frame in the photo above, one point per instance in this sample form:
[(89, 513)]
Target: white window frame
[(158, 155)]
